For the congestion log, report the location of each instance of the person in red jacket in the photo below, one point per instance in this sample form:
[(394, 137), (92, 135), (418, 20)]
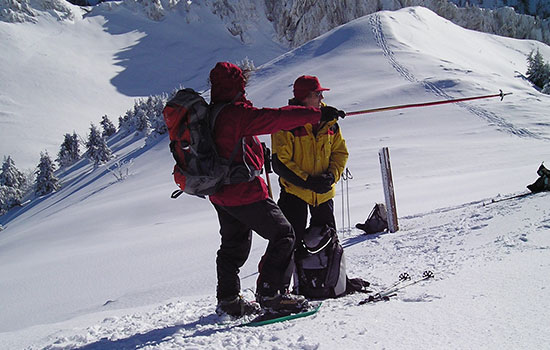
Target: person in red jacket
[(246, 206)]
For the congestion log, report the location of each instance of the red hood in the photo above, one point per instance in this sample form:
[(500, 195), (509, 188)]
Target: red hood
[(226, 81)]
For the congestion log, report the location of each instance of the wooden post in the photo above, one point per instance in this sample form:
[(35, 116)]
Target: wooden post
[(387, 182)]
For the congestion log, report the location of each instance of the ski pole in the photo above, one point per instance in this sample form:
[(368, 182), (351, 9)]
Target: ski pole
[(343, 209), (267, 167), (508, 198), (385, 294), (348, 177), (426, 104)]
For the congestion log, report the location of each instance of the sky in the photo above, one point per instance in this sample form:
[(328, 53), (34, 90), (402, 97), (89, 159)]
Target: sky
[(108, 264)]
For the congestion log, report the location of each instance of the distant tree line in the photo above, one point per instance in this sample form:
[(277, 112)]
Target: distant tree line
[(538, 71), (143, 120)]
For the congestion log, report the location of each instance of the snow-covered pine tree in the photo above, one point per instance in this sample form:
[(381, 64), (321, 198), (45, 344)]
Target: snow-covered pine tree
[(9, 198), (46, 181), (155, 105), (126, 123), (141, 120), (538, 72), (11, 176), (69, 151), (546, 88), (247, 66), (109, 128), (97, 149)]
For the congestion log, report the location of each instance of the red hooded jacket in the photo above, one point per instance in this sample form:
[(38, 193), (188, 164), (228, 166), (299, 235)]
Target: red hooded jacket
[(240, 119)]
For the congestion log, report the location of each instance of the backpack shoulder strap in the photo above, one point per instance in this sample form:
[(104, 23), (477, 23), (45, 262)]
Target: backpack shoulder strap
[(215, 109)]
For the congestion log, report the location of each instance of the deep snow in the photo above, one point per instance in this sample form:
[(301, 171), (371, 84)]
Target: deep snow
[(103, 264)]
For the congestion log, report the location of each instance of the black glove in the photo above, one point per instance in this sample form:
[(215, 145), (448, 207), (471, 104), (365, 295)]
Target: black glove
[(329, 177), (320, 183), (329, 113)]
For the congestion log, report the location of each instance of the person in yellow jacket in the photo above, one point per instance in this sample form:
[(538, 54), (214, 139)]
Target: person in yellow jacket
[(309, 160)]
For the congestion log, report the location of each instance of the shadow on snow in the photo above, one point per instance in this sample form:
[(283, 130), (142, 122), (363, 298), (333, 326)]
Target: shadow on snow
[(158, 336)]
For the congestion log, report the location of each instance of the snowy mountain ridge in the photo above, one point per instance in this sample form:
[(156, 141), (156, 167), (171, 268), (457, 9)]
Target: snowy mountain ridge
[(538, 8), (18, 11), (297, 22)]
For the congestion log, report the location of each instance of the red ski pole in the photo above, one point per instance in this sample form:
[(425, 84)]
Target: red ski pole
[(426, 104)]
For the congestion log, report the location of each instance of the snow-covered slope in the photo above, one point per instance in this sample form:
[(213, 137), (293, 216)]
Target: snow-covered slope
[(62, 72), (106, 264), (54, 82)]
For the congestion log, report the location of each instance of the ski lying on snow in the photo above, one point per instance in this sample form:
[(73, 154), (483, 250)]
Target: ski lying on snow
[(404, 281), (269, 318)]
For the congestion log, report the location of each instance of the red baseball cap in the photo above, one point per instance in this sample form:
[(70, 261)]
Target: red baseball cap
[(306, 84)]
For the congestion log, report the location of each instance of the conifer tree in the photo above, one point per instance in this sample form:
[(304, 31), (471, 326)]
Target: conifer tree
[(141, 120), (9, 198), (538, 72), (155, 105), (46, 181), (126, 123), (109, 128), (69, 151), (11, 176), (97, 149)]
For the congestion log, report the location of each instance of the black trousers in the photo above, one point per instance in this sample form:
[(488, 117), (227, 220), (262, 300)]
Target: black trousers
[(296, 210), (236, 225)]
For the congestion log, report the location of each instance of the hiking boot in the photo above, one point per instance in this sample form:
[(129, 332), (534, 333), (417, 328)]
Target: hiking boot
[(237, 306), (283, 303)]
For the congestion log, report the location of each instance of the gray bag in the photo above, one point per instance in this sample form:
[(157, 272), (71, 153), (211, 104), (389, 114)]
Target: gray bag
[(377, 221)]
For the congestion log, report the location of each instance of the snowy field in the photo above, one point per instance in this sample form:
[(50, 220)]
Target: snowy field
[(106, 264)]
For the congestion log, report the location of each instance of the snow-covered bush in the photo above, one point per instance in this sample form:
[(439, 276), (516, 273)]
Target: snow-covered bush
[(121, 169)]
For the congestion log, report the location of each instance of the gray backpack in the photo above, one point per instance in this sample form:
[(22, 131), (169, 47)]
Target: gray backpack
[(320, 265)]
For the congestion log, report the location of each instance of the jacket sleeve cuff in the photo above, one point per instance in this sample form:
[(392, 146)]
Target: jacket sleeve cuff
[(283, 171)]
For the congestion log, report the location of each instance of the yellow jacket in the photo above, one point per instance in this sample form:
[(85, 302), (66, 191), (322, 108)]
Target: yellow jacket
[(304, 153)]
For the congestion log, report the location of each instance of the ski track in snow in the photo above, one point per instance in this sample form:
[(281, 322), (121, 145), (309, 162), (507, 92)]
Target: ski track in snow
[(491, 117), (469, 235)]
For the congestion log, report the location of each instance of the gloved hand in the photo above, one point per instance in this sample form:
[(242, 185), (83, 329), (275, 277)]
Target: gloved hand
[(320, 183), (329, 177), (329, 113)]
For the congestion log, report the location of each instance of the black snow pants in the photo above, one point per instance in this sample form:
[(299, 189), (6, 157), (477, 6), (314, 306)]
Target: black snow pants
[(236, 225), (295, 210)]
